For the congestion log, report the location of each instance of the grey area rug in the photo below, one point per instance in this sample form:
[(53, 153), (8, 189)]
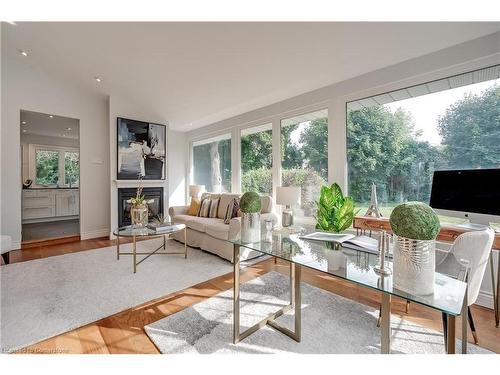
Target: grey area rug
[(46, 297), (330, 324)]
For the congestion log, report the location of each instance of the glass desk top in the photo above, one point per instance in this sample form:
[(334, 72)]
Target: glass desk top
[(131, 231), (358, 267)]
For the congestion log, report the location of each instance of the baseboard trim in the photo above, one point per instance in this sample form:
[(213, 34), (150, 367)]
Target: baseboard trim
[(95, 234), (485, 299), (16, 245)]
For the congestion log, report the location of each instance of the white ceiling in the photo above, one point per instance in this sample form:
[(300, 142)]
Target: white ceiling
[(194, 74), (55, 126)]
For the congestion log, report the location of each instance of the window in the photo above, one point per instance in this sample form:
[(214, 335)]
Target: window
[(212, 163), (71, 168), (47, 167), (304, 157), (257, 159), (397, 140)]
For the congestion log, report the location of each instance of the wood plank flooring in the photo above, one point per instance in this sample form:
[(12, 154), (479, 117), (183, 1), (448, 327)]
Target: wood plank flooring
[(124, 332)]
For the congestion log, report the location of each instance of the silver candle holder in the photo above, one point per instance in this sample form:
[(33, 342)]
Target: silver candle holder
[(383, 248)]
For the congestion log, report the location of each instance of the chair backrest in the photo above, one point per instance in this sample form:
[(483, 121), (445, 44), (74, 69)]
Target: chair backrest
[(475, 247)]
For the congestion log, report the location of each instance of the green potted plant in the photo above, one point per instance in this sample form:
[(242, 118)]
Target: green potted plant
[(416, 227), (250, 206), (335, 212)]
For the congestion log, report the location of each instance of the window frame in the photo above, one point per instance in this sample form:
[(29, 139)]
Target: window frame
[(61, 150)]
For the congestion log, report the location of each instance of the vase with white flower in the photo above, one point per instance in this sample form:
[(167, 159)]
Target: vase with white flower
[(139, 208)]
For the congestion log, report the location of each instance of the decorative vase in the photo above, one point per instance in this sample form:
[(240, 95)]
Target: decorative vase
[(414, 265), (139, 215), (337, 262), (250, 227)]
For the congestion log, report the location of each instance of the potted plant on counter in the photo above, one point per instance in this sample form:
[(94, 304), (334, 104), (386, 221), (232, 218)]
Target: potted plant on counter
[(335, 211), (250, 206), (416, 227)]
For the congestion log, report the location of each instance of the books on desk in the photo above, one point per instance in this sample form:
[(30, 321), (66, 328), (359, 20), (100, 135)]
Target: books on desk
[(349, 241)]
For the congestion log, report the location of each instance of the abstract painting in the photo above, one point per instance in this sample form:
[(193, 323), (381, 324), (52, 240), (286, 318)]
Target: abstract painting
[(141, 150)]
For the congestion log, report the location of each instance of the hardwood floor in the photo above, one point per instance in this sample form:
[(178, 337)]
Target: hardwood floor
[(124, 332)]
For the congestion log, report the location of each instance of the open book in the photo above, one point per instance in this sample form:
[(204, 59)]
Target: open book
[(349, 241)]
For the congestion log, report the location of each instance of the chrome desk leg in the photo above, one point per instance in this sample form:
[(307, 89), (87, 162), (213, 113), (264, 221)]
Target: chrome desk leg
[(236, 295), (450, 346), (135, 254), (495, 288), (385, 324), (465, 310), (117, 247)]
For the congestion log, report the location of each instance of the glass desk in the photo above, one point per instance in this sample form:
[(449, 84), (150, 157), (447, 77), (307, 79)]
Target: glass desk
[(449, 297), (142, 232)]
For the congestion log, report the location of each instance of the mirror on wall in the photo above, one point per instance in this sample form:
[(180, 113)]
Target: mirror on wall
[(50, 171)]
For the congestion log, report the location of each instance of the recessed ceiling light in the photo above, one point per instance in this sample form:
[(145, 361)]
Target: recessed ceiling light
[(23, 122), (24, 130), (64, 135), (51, 116), (24, 53), (98, 79), (68, 129)]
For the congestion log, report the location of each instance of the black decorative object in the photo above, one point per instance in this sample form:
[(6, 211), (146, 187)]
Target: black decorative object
[(141, 150)]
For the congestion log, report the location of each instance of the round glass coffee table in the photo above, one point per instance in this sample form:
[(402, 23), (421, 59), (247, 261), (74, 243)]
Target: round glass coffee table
[(142, 232)]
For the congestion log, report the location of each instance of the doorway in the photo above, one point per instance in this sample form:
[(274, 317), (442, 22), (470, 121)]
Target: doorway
[(50, 170)]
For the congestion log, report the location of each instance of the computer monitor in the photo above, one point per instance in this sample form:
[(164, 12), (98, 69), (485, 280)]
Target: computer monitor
[(472, 194)]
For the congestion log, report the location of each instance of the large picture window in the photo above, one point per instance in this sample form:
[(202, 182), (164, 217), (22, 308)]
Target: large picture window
[(54, 166), (257, 159), (397, 140), (304, 157), (212, 163)]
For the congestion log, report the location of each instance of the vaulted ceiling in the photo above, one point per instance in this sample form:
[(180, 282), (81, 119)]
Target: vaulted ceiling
[(199, 73)]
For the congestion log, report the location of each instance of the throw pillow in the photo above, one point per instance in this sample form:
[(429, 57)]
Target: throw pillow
[(205, 208), (194, 208), (232, 210), (214, 206)]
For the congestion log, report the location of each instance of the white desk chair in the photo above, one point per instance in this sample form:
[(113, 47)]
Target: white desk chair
[(475, 248)]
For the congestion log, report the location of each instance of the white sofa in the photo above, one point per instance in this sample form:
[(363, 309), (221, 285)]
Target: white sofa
[(211, 234)]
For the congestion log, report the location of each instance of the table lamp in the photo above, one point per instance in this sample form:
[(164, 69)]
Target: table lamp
[(196, 190), (287, 196)]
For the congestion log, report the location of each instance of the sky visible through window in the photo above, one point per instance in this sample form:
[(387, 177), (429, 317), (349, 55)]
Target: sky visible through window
[(426, 109)]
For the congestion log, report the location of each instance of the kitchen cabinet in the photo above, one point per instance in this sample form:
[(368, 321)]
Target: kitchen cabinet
[(50, 204)]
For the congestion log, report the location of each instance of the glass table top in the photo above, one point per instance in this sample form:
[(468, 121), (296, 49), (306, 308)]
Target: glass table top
[(131, 231), (358, 267)]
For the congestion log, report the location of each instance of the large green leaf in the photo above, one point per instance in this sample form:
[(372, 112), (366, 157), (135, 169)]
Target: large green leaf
[(335, 212)]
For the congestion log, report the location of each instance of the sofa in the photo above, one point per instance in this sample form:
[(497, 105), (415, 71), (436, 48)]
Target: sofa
[(211, 234)]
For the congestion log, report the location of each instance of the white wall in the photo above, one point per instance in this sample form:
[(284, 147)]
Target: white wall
[(24, 87), (174, 186), (458, 59)]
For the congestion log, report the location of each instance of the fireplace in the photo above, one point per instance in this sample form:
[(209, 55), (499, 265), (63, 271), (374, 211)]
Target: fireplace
[(155, 208)]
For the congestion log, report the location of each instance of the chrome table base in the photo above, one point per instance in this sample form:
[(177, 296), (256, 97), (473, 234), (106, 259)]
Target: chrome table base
[(148, 254), (295, 303)]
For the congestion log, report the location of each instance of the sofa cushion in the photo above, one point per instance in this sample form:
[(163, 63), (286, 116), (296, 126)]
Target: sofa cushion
[(225, 199), (182, 219), (200, 223), (194, 208), (218, 230), (267, 204)]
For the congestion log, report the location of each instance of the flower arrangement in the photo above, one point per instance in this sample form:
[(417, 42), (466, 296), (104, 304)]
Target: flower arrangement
[(415, 220), (139, 199)]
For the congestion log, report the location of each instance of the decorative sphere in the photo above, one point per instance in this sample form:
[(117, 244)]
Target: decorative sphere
[(250, 203), (415, 220)]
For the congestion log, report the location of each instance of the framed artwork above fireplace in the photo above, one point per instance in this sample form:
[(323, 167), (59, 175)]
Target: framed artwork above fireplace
[(141, 150)]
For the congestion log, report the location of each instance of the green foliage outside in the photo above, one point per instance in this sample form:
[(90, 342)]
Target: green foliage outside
[(71, 168), (47, 167), (335, 211), (415, 220)]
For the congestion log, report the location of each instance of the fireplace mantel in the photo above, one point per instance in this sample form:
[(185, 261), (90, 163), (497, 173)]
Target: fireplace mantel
[(135, 183)]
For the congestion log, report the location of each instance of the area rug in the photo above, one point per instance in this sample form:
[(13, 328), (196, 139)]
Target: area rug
[(330, 324), (46, 297)]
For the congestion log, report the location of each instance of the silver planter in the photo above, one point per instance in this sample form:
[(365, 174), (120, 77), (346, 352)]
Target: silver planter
[(250, 227), (414, 265), (139, 215)]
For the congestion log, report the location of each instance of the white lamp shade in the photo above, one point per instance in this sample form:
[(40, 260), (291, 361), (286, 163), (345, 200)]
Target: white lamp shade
[(287, 195), (196, 190)]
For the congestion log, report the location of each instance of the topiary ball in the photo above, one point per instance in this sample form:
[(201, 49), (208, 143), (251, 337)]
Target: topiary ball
[(250, 203), (415, 220)]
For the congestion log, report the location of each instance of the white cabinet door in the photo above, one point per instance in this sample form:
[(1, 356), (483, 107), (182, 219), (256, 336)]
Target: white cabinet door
[(63, 203), (38, 204)]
